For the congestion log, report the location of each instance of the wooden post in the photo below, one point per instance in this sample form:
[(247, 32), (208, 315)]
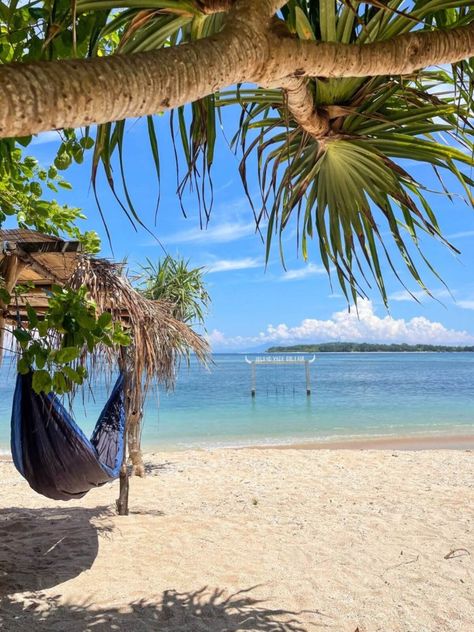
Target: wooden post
[(134, 433), (254, 379), (122, 500), (10, 272), (308, 378)]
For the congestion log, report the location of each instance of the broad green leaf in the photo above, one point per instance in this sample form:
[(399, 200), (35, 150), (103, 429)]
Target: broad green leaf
[(4, 296), (41, 381), (104, 320), (67, 354), (23, 366)]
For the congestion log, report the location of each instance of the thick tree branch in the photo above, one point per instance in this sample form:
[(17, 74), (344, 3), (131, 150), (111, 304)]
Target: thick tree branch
[(208, 7), (300, 102), (49, 95), (265, 7), (71, 93), (400, 55)]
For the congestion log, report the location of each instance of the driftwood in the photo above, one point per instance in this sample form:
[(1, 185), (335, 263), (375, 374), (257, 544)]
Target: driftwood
[(456, 553)]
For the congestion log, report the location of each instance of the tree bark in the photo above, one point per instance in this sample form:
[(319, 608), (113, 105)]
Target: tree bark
[(401, 55), (300, 102), (134, 432), (124, 483), (70, 93), (122, 500)]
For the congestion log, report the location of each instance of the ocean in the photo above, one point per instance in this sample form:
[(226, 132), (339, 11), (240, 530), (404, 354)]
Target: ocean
[(354, 395)]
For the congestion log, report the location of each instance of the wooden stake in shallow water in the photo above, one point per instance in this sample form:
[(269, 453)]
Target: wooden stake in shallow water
[(272, 360), (254, 380), (308, 378)]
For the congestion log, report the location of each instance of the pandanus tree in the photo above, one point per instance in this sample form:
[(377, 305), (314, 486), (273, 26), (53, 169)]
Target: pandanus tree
[(338, 100), (175, 282)]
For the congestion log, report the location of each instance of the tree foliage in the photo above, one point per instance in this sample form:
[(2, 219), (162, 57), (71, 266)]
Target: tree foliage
[(53, 345), (367, 347), (22, 189), (174, 281), (343, 188), (32, 31)]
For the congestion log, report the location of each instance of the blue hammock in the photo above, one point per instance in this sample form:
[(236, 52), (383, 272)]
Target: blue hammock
[(50, 450)]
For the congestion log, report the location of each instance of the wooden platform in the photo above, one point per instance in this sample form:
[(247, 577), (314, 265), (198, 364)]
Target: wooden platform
[(31, 258)]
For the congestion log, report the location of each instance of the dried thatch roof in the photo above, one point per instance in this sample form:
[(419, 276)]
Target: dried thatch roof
[(40, 260), (159, 340)]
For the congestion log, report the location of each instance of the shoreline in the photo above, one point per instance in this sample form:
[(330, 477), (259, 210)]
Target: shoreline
[(397, 443), (409, 443), (389, 442)]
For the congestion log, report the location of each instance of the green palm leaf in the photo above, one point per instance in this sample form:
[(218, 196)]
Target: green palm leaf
[(343, 190)]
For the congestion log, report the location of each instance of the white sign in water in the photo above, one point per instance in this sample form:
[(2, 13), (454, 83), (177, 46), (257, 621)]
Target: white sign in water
[(280, 359)]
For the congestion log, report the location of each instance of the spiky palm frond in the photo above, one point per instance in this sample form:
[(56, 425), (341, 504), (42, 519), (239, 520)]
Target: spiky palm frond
[(182, 287), (335, 184), (343, 189)]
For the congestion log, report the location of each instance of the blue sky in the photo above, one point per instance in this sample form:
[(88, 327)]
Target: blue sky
[(253, 305)]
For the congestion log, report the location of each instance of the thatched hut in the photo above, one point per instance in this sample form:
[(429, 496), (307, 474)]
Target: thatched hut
[(158, 340)]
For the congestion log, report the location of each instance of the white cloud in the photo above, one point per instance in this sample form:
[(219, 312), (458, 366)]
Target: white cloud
[(302, 273), (466, 233), (366, 326), (465, 304), (226, 265), (218, 234), (404, 295), (216, 338)]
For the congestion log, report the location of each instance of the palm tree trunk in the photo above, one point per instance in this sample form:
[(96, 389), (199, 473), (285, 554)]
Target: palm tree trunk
[(71, 93), (134, 440)]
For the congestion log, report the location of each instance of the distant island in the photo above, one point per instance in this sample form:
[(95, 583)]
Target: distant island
[(357, 347)]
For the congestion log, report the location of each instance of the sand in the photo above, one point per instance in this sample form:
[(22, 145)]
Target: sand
[(253, 539)]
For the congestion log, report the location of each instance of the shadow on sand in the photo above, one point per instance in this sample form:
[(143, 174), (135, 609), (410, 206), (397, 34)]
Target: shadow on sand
[(38, 547), (39, 550), (202, 610)]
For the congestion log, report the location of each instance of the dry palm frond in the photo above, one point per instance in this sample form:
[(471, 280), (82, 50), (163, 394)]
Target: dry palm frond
[(159, 341)]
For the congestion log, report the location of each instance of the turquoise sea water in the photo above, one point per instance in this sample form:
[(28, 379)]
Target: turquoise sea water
[(353, 395)]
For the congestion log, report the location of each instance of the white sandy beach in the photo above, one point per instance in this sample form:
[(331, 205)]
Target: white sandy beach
[(254, 539)]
